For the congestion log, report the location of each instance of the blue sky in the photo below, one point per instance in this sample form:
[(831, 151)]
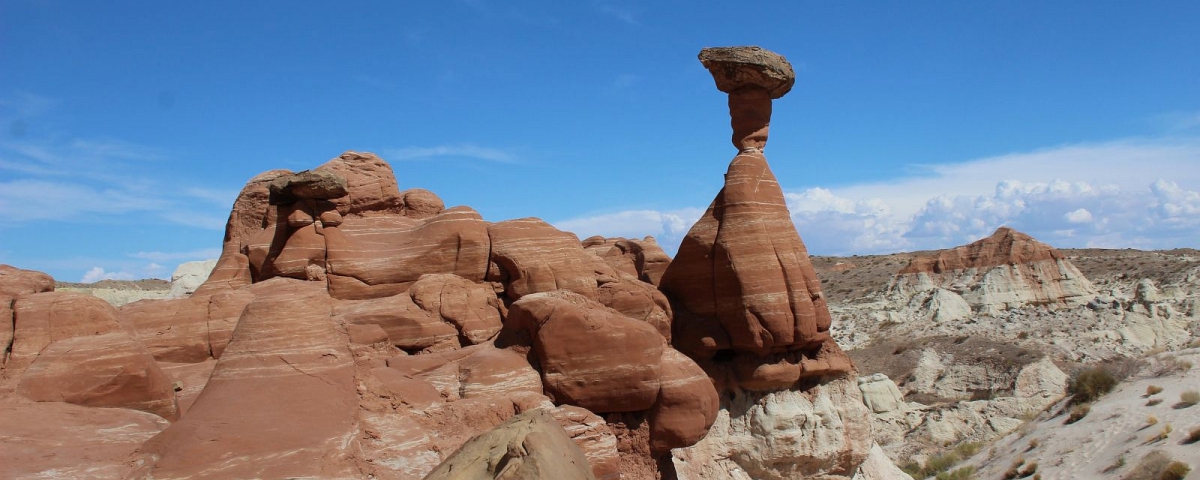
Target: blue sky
[(126, 128)]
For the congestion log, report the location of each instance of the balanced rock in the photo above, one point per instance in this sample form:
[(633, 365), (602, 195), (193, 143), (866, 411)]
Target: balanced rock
[(1008, 269), (742, 280), (309, 184)]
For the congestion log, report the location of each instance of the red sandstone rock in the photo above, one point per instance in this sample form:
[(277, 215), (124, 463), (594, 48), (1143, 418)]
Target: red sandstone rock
[(687, 404), (643, 259), (531, 256), (281, 401), (744, 264), (591, 356), (407, 325), (15, 282), (69, 347), (638, 300), (308, 184), (370, 183), (383, 255), (186, 330), (60, 440), (6, 328), (420, 203), (472, 308)]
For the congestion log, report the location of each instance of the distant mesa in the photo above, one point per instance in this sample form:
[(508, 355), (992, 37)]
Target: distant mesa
[(1008, 269)]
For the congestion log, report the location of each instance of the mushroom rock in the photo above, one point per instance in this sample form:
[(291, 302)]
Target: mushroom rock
[(590, 356), (742, 280), (1008, 269), (281, 401), (529, 446), (530, 256), (70, 347), (749, 310)]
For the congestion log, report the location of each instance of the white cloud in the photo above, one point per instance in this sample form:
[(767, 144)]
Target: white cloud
[(97, 274), (1101, 195), (462, 150), (667, 227), (1081, 215)]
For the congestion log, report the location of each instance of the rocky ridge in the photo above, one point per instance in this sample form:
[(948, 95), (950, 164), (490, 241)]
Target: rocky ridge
[(354, 330)]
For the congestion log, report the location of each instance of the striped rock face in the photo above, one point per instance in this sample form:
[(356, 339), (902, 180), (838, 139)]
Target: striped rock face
[(70, 347), (281, 401)]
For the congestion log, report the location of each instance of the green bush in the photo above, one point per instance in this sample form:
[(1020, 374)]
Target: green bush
[(1090, 383), (964, 473)]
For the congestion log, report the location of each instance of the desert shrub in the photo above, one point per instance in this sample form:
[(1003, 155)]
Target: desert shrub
[(1153, 402), (1150, 467), (1090, 383), (1175, 471), (1015, 470), (1151, 420), (967, 449), (1029, 470), (1116, 465), (1193, 435), (964, 473), (1162, 434), (1189, 398), (1153, 390), (1078, 412), (1170, 365)]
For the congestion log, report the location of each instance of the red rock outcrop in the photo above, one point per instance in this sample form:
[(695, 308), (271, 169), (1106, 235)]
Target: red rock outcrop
[(281, 401), (15, 282), (643, 259), (70, 347)]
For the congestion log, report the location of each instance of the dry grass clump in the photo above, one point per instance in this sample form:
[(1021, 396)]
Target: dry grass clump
[(1153, 402), (1078, 412), (1151, 420), (964, 473), (1153, 390), (1189, 398), (1151, 467), (1193, 435), (1090, 383), (1162, 435), (1175, 471)]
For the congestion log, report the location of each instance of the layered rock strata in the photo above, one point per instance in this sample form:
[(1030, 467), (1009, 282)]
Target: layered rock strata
[(1008, 269)]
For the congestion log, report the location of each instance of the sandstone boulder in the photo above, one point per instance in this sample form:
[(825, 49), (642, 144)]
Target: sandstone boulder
[(15, 282), (70, 347), (591, 356), (530, 256), (188, 276), (529, 446)]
